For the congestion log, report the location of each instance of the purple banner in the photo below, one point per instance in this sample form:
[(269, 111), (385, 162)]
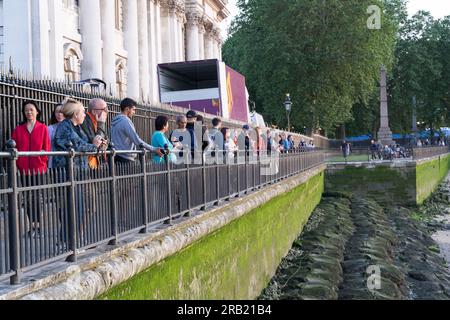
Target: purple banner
[(237, 97), (210, 106)]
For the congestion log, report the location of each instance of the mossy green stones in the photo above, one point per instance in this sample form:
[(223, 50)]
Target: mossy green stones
[(428, 176), (237, 261)]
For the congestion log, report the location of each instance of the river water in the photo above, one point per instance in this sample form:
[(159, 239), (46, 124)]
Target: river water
[(354, 248)]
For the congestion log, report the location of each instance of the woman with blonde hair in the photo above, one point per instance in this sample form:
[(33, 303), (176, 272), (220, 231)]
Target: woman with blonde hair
[(70, 135), (70, 132)]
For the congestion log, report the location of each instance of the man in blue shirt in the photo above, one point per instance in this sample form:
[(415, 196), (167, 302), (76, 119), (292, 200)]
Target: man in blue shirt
[(124, 135)]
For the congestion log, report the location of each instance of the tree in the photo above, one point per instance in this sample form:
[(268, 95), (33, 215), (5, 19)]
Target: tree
[(422, 71), (321, 52)]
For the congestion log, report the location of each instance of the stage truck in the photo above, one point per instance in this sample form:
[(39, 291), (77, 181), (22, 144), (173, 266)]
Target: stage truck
[(207, 86)]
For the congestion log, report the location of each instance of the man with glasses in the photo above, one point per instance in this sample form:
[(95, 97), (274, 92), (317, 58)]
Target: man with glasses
[(95, 122), (95, 125)]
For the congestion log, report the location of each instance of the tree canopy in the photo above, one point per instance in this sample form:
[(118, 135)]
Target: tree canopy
[(422, 71), (321, 52)]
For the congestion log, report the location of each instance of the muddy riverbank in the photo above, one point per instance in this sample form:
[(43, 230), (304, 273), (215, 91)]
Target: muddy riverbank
[(353, 248)]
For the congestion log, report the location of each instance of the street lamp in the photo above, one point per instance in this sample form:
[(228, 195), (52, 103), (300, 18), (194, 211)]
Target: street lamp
[(288, 106)]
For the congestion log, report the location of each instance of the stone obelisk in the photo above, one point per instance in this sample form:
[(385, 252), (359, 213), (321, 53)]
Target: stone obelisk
[(385, 133)]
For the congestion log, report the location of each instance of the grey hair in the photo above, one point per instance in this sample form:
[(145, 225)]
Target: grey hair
[(181, 118), (94, 103)]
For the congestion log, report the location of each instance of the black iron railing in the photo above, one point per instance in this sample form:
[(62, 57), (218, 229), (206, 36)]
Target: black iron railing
[(51, 216), (393, 154), (428, 152)]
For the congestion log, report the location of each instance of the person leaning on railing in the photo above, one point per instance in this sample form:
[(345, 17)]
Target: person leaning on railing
[(124, 135), (159, 140), (32, 136)]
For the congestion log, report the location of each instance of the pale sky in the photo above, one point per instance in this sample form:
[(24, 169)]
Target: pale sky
[(438, 8)]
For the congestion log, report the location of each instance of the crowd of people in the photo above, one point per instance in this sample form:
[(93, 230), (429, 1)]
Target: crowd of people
[(440, 142), (387, 152), (72, 128)]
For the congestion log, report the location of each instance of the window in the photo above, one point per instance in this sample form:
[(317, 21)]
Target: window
[(119, 14), (72, 66)]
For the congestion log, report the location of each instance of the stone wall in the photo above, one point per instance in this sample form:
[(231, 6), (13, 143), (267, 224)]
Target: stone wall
[(230, 252), (403, 183), (429, 174), (385, 182), (237, 261)]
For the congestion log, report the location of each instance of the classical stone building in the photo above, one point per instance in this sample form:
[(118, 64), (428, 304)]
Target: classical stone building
[(119, 41)]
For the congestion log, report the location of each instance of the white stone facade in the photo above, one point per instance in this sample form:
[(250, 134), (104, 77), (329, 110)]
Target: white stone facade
[(119, 41)]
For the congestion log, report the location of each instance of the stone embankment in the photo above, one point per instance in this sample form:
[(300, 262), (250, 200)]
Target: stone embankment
[(348, 238)]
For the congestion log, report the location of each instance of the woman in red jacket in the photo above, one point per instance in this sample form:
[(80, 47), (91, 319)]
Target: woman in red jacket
[(32, 135)]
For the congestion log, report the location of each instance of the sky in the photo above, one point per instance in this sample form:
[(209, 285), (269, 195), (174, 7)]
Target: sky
[(438, 8)]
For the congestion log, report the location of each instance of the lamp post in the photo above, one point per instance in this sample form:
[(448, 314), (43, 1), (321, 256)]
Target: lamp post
[(288, 106)]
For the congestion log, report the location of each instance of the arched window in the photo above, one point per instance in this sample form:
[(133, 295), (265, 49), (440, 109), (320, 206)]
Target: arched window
[(121, 78), (72, 62)]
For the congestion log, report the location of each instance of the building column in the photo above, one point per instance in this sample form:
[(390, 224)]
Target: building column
[(153, 48), (130, 28), (209, 54), (144, 68), (201, 40), (192, 37), (172, 34), (91, 31), (181, 48), (108, 25), (56, 39), (158, 31), (41, 39), (220, 50), (215, 45)]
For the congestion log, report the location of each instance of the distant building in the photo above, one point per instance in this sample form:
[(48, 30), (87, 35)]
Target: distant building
[(119, 41)]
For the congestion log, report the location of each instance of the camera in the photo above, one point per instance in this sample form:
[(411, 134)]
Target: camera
[(166, 150)]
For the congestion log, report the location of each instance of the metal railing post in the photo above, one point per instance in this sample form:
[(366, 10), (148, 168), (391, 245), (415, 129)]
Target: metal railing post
[(229, 176), (204, 182), (71, 205), (217, 181), (188, 185), (113, 199), (246, 172), (169, 189), (142, 159), (14, 236), (238, 175)]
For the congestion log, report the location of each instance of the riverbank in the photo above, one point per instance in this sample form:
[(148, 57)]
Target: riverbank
[(348, 238)]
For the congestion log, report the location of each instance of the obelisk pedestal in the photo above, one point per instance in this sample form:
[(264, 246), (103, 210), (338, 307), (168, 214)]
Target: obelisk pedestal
[(385, 133)]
